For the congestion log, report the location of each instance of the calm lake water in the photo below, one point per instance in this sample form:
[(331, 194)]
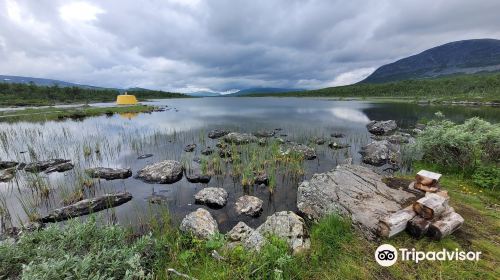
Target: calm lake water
[(120, 139)]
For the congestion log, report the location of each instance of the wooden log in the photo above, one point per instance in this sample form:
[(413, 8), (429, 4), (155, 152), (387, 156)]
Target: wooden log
[(395, 222), (417, 227), (431, 206), (445, 226), (422, 187)]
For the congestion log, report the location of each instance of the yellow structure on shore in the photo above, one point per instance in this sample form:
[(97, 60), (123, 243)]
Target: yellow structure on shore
[(125, 99)]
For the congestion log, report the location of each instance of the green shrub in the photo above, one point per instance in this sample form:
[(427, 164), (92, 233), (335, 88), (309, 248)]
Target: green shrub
[(487, 177), (80, 250), (460, 146)]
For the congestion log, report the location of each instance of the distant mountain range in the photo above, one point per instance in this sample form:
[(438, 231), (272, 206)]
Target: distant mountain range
[(460, 57), (264, 90), (40, 82)]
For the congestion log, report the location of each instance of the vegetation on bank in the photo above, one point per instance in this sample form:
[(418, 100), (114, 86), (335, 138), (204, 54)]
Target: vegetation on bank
[(33, 95), (477, 87), (54, 113), (88, 250)]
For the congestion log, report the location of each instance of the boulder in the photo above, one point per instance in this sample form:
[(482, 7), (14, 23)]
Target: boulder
[(396, 138), (242, 234), (354, 191), (60, 167), (289, 226), (319, 140), (240, 138), (217, 133), (381, 127), (87, 206), (291, 147), (7, 174), (378, 153), (163, 172), (199, 223), (109, 173), (249, 205), (212, 197), (189, 148), (7, 164), (40, 166)]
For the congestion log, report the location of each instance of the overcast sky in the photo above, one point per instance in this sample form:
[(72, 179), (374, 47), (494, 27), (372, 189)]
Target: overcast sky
[(222, 45)]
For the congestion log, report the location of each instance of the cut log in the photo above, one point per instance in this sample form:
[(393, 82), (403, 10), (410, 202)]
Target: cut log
[(395, 222), (427, 178), (431, 206), (417, 227), (420, 186), (87, 206), (445, 226)]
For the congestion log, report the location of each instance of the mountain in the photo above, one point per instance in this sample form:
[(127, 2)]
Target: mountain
[(204, 94), (263, 90), (460, 57), (40, 82)]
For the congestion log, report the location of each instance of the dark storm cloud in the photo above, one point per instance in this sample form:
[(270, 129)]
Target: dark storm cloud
[(195, 45)]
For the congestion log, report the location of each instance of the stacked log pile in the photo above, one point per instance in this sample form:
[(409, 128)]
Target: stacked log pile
[(429, 216)]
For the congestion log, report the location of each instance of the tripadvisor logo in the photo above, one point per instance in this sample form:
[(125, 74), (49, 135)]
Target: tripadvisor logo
[(387, 255)]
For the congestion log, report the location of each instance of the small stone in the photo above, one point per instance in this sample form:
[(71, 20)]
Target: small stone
[(217, 133), (189, 148), (200, 223), (163, 172), (212, 197), (207, 151), (249, 205), (109, 173), (144, 156)]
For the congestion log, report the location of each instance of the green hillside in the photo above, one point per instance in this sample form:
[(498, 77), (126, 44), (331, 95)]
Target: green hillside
[(476, 87)]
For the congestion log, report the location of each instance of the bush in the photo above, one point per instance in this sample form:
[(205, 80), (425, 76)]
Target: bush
[(487, 177), (460, 146), (83, 250)]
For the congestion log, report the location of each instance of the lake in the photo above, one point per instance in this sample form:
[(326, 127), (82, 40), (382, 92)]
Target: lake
[(117, 141)]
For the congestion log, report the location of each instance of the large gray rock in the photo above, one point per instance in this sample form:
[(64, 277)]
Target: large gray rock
[(351, 190), (381, 127), (289, 226), (7, 174), (200, 223), (163, 172), (378, 153), (109, 173), (242, 234), (40, 166), (240, 138), (7, 164), (291, 147), (87, 206), (217, 133), (397, 138), (213, 197), (249, 205)]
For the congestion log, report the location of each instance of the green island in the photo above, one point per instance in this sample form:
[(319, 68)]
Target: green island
[(12, 94), (481, 88)]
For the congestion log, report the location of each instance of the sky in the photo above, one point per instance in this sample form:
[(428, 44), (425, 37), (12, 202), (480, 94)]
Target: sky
[(226, 45)]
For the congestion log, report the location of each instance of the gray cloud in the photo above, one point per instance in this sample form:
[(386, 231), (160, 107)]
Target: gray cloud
[(190, 45)]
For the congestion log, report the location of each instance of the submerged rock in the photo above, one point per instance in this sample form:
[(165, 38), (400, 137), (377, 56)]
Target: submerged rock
[(200, 223), (8, 164), (261, 179), (189, 148), (109, 173), (264, 133), (87, 206), (40, 166), (163, 172), (354, 191), (60, 167), (217, 133), (289, 226), (378, 153), (337, 146), (396, 138), (381, 127), (207, 151), (319, 140), (7, 174), (249, 205), (194, 173), (308, 152), (212, 197), (144, 156), (337, 135), (240, 138)]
